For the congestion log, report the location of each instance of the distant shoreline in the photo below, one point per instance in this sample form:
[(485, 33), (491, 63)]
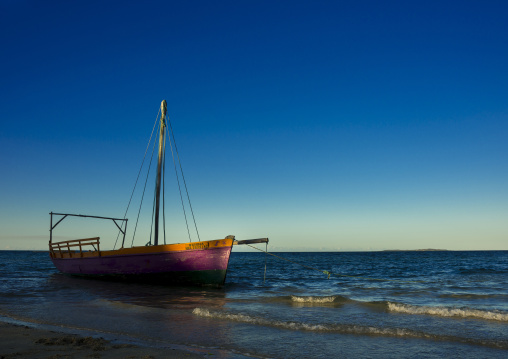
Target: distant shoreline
[(416, 250)]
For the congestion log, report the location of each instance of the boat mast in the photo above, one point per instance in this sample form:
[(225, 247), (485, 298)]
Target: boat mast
[(159, 165)]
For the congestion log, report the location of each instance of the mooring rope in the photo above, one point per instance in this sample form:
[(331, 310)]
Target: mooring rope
[(328, 273)]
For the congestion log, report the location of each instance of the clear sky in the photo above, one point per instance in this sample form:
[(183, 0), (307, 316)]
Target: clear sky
[(323, 125)]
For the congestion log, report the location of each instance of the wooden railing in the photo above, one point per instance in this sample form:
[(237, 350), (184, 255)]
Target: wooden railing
[(63, 249)]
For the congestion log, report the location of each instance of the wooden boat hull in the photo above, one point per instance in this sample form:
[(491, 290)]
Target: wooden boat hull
[(197, 263)]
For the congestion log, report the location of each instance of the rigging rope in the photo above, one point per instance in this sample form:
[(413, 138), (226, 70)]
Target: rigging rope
[(139, 173), (179, 189), (164, 188), (328, 273), (163, 159), (171, 142), (143, 195), (183, 178), (153, 214)]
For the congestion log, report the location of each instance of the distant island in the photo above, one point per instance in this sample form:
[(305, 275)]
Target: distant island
[(416, 250)]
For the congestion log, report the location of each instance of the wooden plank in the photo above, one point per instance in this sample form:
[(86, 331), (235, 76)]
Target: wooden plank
[(251, 241)]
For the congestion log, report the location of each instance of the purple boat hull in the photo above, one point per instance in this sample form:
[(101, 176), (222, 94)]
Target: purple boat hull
[(187, 267)]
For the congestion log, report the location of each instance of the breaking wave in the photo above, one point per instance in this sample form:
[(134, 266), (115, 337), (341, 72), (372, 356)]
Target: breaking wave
[(309, 301), (318, 299), (342, 328), (448, 312)]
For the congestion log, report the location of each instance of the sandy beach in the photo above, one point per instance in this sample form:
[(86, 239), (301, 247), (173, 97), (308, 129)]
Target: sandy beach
[(18, 341)]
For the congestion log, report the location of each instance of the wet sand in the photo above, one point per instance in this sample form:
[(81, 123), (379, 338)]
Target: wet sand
[(18, 341)]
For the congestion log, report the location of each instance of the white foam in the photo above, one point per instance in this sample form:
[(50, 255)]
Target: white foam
[(341, 328), (237, 317), (448, 312), (328, 299)]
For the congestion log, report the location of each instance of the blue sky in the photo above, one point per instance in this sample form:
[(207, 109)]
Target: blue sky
[(323, 125)]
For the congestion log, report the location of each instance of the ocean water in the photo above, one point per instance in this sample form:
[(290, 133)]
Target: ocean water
[(428, 305)]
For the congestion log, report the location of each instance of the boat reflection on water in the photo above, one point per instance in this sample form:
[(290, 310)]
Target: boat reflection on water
[(143, 295), (143, 314)]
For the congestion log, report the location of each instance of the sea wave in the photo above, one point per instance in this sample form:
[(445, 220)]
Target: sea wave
[(448, 312), (343, 328), (309, 301), (318, 299), (293, 325), (469, 271), (474, 296)]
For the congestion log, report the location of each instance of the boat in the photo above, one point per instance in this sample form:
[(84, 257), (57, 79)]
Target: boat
[(194, 263)]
